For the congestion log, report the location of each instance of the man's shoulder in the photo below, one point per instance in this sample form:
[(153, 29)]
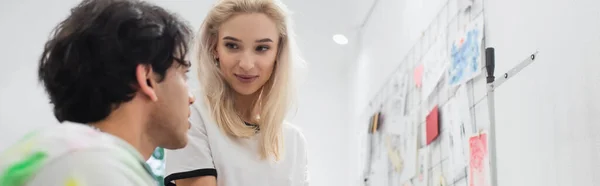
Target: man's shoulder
[(49, 146), (62, 138), (92, 166)]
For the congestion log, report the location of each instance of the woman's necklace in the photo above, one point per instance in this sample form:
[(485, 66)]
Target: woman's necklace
[(255, 126)]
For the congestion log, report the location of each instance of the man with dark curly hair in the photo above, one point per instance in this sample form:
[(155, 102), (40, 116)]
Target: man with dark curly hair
[(115, 72)]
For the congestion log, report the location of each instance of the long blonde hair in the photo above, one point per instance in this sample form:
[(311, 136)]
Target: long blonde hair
[(276, 97)]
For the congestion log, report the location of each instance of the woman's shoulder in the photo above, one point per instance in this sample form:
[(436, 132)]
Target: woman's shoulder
[(291, 128), (200, 105), (293, 132)]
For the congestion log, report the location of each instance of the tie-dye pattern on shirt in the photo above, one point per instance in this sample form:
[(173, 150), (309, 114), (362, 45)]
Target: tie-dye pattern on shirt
[(20, 162)]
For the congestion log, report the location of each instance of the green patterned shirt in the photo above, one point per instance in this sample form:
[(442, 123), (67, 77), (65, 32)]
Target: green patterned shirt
[(73, 155)]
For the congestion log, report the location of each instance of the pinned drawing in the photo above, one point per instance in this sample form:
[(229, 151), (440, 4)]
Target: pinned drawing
[(456, 118), (478, 160), (409, 150), (463, 115), (401, 145), (396, 103), (465, 54), (435, 62), (422, 178), (442, 181), (394, 155)]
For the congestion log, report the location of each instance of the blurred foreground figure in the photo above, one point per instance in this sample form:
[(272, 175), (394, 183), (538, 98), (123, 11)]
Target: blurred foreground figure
[(115, 72)]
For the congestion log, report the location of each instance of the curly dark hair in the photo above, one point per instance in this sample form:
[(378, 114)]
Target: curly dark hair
[(89, 63)]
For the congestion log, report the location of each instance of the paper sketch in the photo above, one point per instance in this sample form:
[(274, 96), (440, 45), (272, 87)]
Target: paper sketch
[(402, 151), (422, 178), (442, 181), (395, 105), (435, 62), (394, 155), (397, 100), (400, 88), (436, 176), (379, 172), (464, 4), (465, 54), (377, 165), (396, 161), (409, 150), (478, 161), (456, 140), (463, 106)]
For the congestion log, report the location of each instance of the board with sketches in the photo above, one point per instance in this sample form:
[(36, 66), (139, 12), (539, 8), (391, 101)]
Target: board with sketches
[(442, 70)]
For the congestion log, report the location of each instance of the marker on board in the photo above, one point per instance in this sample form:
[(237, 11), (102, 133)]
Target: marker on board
[(490, 64)]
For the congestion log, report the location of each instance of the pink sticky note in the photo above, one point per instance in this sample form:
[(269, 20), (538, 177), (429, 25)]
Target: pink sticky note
[(418, 75)]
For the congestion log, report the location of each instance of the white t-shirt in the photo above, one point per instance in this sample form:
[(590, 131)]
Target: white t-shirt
[(235, 161)]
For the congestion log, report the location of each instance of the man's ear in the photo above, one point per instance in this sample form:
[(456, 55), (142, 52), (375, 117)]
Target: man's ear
[(146, 81)]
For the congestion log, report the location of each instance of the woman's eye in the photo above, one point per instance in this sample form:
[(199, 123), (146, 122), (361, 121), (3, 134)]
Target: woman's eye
[(231, 46), (262, 48)]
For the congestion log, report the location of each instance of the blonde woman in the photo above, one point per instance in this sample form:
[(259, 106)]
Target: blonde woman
[(238, 134)]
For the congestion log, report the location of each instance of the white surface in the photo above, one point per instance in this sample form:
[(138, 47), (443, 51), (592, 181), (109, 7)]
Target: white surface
[(547, 115)]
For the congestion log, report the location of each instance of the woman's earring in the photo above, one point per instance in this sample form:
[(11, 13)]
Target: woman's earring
[(217, 62)]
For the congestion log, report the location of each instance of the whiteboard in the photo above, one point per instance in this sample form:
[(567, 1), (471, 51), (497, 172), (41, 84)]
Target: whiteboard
[(406, 99)]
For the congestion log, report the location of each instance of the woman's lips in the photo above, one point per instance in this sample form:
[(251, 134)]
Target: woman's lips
[(246, 78)]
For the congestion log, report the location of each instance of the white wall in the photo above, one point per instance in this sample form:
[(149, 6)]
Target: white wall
[(391, 31), (23, 103), (323, 106), (547, 116)]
